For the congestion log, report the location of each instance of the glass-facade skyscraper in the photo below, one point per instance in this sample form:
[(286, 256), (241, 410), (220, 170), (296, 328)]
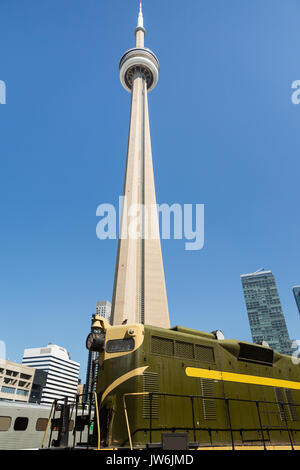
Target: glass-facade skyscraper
[(267, 322), (296, 291)]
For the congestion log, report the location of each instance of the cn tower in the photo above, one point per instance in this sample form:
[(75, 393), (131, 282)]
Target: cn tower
[(139, 294)]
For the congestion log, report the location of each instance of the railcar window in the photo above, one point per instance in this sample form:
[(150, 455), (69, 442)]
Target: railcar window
[(21, 423), (5, 422), (41, 424), (120, 345)]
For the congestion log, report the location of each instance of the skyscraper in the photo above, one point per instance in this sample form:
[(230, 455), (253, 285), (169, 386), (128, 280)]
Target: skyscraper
[(103, 308), (62, 377), (139, 293), (265, 314), (296, 291)]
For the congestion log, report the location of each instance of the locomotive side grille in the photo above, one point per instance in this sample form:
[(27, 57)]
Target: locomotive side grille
[(163, 346), (209, 405), (150, 384), (204, 353), (291, 405), (280, 401), (185, 350), (168, 347)]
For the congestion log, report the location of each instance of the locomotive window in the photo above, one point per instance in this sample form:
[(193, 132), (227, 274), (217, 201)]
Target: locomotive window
[(120, 345), (21, 424)]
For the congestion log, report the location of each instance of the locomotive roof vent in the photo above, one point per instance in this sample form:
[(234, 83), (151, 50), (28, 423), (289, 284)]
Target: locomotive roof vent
[(258, 354), (189, 331)]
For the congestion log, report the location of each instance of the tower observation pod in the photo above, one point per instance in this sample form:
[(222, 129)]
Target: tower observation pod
[(139, 294), (139, 61)]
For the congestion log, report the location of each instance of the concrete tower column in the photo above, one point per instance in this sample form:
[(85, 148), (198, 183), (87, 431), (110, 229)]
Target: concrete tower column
[(139, 294)]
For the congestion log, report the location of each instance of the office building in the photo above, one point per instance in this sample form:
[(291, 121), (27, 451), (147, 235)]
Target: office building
[(267, 322), (16, 381), (62, 372)]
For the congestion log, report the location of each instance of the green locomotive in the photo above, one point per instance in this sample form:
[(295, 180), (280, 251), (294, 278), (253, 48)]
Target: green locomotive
[(217, 392)]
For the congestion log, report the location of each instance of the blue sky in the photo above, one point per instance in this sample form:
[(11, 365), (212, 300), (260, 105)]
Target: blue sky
[(224, 133)]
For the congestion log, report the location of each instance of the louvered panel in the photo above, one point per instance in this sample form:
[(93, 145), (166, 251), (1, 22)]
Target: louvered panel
[(209, 405), (184, 349), (150, 384), (204, 353), (280, 400), (163, 346), (291, 405)]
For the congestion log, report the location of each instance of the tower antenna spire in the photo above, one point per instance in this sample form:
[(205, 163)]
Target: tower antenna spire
[(140, 17)]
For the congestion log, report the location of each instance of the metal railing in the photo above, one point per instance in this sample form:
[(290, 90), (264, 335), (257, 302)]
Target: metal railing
[(261, 430), (80, 414), (86, 419)]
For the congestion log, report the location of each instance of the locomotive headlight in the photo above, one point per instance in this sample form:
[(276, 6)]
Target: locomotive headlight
[(95, 341)]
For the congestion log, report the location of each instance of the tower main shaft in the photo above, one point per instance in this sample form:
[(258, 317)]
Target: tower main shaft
[(139, 288)]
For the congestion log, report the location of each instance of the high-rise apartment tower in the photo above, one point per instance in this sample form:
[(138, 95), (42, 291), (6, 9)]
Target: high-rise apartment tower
[(267, 322)]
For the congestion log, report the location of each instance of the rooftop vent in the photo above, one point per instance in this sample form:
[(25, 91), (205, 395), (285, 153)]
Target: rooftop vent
[(256, 354)]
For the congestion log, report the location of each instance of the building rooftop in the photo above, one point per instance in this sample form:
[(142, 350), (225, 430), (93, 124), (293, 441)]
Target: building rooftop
[(50, 349), (257, 274)]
